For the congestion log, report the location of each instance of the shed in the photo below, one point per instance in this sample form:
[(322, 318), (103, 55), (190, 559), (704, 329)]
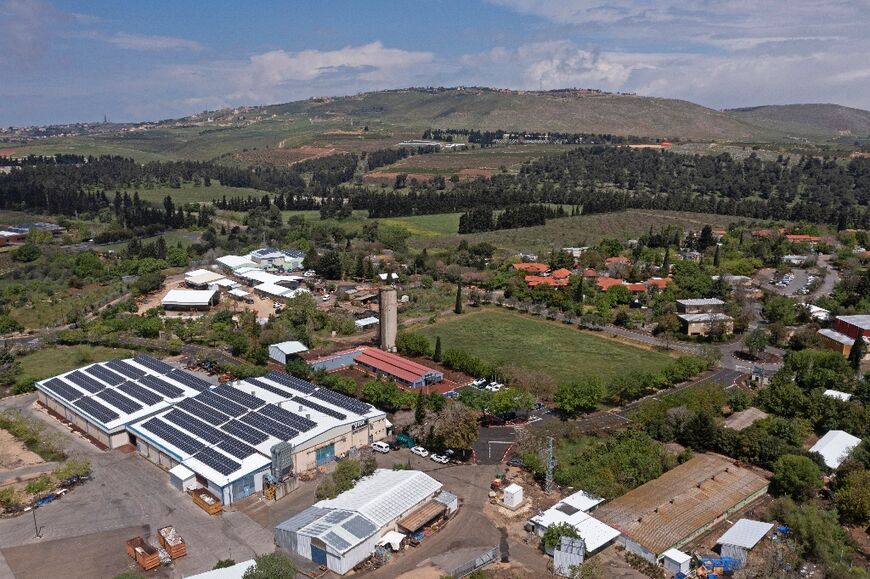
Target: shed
[(280, 352), (366, 322), (835, 447), (182, 477), (742, 538), (512, 496), (449, 500), (568, 555), (675, 561), (180, 299)]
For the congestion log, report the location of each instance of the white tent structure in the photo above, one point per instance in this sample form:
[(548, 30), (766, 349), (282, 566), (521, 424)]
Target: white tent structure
[(835, 447), (280, 352)]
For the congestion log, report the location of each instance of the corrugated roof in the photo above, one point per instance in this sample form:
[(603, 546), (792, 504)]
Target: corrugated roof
[(188, 297), (676, 555), (412, 522), (291, 347), (663, 512), (745, 533), (702, 302), (394, 364), (835, 447)]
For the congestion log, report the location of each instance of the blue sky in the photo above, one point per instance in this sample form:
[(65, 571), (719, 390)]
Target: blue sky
[(65, 60)]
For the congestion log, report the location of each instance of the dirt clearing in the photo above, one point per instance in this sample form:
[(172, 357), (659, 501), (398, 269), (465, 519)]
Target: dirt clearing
[(13, 454)]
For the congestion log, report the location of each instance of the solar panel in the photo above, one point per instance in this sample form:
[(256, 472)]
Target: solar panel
[(280, 391), (153, 364), (62, 389), (238, 396), (200, 410), (336, 541), (359, 527), (342, 401), (140, 393), (96, 409), (217, 461), (269, 426), (195, 426), (277, 413), (106, 375), (189, 380), (243, 431), (125, 369), (320, 408), (236, 448), (228, 407), (292, 382), (84, 381), (173, 436), (162, 386), (119, 401)]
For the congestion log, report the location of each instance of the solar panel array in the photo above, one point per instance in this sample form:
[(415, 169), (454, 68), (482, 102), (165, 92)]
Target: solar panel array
[(119, 401), (247, 433), (162, 386), (359, 527), (153, 364), (200, 410), (220, 403), (173, 436), (126, 369), (109, 377), (269, 426), (97, 410), (189, 380), (195, 426), (62, 389), (236, 448), (217, 461), (295, 421), (336, 541), (238, 396), (140, 393), (342, 401), (84, 381), (320, 408), (291, 381), (280, 391)]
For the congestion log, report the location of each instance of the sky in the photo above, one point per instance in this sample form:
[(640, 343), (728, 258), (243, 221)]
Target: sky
[(69, 61)]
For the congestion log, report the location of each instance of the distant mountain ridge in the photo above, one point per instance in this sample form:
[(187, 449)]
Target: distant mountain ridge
[(808, 119)]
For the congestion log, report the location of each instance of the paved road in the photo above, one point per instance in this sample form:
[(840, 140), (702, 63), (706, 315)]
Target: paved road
[(832, 278)]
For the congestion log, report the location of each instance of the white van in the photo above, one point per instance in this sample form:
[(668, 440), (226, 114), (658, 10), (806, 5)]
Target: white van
[(380, 447)]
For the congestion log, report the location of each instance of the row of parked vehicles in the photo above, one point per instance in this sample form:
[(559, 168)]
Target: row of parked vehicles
[(487, 384), (386, 447)]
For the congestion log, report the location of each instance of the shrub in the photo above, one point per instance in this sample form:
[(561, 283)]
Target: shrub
[(412, 344), (73, 467), (796, 476), (39, 485)]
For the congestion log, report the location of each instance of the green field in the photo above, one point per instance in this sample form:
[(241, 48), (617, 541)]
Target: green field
[(58, 359), (56, 310), (187, 193), (561, 352), (172, 238), (427, 225)]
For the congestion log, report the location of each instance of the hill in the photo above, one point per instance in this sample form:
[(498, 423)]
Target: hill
[(809, 120)]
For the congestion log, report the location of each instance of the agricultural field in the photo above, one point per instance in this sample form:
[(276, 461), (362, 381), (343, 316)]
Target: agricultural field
[(549, 348), (172, 238), (189, 193), (586, 230), (427, 225), (58, 359), (58, 309)]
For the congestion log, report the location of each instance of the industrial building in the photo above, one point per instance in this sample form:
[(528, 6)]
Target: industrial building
[(342, 532), (202, 279), (835, 447), (189, 299), (704, 324), (234, 435), (380, 364), (574, 511), (700, 306), (846, 329), (742, 538), (668, 512), (263, 258), (101, 400)]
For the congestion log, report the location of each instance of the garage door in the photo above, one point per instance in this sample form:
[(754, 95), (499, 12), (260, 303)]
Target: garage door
[(318, 555)]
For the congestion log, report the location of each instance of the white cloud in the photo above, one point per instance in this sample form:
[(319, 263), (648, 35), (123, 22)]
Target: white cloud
[(146, 42)]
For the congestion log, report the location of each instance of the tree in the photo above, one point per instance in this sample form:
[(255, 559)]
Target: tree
[(437, 355), (756, 342), (554, 533), (27, 253), (853, 497), (668, 325), (420, 408), (666, 262), (457, 426), (856, 354), (271, 566), (224, 563), (796, 476), (458, 307), (717, 258), (581, 396)]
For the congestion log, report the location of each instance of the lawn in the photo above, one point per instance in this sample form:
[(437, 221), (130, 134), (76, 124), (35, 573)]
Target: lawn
[(561, 352), (57, 359)]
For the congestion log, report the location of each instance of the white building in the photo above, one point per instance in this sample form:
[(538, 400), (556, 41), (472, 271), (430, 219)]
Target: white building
[(202, 278), (342, 532), (280, 352), (574, 510), (844, 396), (835, 447), (742, 538), (184, 299), (675, 561), (236, 571)]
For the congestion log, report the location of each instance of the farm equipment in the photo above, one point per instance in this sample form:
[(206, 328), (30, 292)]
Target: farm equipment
[(144, 554)]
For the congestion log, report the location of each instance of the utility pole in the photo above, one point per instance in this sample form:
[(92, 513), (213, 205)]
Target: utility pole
[(36, 529), (551, 463)]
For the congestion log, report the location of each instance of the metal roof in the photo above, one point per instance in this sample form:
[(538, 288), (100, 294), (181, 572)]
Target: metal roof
[(708, 317), (702, 302), (835, 447), (186, 297), (745, 533), (861, 321), (676, 555), (844, 396), (290, 347)]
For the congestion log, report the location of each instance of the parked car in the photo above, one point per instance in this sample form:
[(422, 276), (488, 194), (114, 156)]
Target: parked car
[(394, 445), (379, 446), (440, 458), (479, 382), (326, 297), (420, 451), (516, 461)]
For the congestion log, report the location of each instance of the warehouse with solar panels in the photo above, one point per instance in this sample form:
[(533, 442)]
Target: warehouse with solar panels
[(228, 436), (101, 400)]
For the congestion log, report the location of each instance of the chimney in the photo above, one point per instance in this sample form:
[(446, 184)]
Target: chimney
[(388, 319)]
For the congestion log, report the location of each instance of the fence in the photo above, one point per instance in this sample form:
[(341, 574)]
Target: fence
[(485, 558)]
